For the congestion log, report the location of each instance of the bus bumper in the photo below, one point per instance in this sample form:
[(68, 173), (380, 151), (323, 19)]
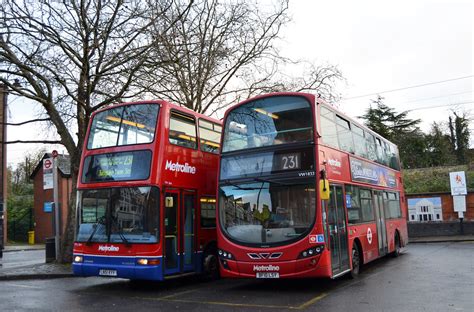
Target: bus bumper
[(120, 267), (301, 268)]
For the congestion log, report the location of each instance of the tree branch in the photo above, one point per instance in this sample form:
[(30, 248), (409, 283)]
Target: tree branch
[(25, 122), (32, 141)]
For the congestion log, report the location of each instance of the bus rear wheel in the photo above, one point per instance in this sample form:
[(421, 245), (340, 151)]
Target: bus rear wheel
[(355, 261)]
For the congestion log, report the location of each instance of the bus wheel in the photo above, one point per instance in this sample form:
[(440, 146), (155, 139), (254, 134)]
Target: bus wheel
[(355, 261), (396, 252), (211, 265)]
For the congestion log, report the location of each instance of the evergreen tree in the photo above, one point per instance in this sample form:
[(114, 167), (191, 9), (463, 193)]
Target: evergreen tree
[(459, 131), (399, 129), (439, 147)]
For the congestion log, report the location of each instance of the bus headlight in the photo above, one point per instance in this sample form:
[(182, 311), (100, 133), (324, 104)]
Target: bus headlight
[(78, 259), (144, 261), (313, 251), (224, 254)]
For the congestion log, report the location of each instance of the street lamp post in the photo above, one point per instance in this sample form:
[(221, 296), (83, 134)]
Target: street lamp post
[(57, 215), (3, 165)]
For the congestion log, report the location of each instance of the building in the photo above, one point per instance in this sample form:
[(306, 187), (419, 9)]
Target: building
[(44, 196), (433, 214), (424, 209)]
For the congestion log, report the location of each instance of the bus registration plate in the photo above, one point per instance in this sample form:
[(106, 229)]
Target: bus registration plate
[(268, 275), (104, 272)]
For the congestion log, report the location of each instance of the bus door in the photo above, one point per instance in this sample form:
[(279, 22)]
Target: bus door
[(338, 231), (380, 217), (179, 231)]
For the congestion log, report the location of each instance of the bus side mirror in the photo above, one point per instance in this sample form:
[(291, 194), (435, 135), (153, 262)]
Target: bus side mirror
[(324, 189), (169, 202)]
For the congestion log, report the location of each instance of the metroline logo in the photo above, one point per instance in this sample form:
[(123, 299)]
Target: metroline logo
[(334, 163), (177, 167), (266, 268), (108, 248)]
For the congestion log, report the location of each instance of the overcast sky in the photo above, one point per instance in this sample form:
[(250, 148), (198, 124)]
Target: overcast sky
[(386, 45), (379, 46)]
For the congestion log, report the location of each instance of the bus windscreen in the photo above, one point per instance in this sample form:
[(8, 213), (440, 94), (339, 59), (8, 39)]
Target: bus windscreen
[(123, 125), (119, 215), (267, 212), (268, 121)]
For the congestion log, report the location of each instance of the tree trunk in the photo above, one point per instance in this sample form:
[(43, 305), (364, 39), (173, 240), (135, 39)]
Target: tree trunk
[(67, 240)]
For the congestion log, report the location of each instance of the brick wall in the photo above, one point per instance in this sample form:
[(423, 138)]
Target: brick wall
[(423, 229)]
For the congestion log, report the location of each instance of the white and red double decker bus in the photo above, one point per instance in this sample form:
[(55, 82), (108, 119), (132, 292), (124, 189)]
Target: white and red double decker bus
[(147, 193), (305, 191)]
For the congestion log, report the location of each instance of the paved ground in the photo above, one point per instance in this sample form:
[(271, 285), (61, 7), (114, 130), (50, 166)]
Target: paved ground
[(28, 261), (426, 277)]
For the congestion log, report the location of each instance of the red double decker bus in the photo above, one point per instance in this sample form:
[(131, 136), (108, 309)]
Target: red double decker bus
[(147, 193), (305, 191)]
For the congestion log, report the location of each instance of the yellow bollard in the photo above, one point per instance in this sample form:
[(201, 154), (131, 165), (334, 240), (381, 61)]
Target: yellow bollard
[(31, 237)]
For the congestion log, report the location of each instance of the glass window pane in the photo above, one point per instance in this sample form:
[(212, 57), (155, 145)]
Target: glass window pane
[(208, 212), (137, 126), (182, 130), (267, 213), (119, 215), (329, 132), (344, 134), (367, 205), (392, 206), (394, 158), (269, 121), (123, 125), (353, 204), (370, 145), (359, 141), (327, 113), (379, 150), (210, 136)]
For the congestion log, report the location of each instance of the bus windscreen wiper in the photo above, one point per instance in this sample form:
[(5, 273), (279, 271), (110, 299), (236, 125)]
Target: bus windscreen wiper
[(120, 232), (100, 221)]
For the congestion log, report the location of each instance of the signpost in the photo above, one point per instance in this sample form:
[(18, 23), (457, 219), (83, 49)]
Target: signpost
[(457, 180), (48, 174)]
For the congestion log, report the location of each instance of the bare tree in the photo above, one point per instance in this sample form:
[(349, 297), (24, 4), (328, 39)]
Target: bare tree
[(222, 52), (74, 57)]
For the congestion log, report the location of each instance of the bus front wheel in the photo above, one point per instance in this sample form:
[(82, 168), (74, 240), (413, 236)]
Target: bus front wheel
[(355, 261), (211, 265)]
